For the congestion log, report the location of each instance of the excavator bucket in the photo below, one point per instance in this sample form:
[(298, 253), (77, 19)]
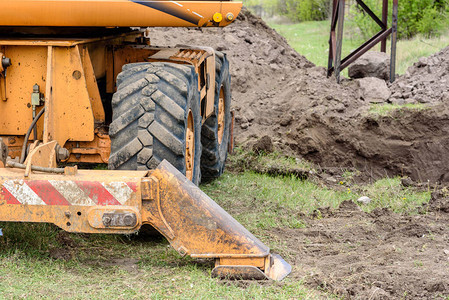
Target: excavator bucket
[(197, 226), (95, 201)]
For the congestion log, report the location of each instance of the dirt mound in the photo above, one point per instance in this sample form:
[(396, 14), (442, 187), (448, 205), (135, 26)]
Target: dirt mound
[(380, 255), (408, 142), (256, 52), (439, 202), (427, 81), (279, 93)]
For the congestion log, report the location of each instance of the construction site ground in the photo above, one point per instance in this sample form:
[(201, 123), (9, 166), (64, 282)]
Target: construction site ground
[(308, 149)]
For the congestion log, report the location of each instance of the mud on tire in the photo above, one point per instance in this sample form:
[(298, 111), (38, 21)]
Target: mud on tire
[(215, 146), (150, 113)]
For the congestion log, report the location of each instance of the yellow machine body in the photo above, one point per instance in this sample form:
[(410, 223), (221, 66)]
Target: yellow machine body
[(58, 60), (67, 72)]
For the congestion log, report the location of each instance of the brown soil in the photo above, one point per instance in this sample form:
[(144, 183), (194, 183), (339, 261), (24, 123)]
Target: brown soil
[(66, 243), (380, 255), (279, 93), (426, 81)]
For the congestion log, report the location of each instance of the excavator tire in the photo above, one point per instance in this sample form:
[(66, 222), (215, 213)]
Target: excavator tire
[(215, 131), (156, 116)]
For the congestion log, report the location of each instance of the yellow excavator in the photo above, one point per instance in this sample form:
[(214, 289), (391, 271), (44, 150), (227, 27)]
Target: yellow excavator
[(80, 83)]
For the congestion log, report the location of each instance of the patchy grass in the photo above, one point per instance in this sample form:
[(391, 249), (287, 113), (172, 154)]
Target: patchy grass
[(261, 201), (409, 51), (243, 160), (279, 160), (390, 193), (31, 238), (311, 40), (123, 267), (387, 109), (297, 196), (265, 202)]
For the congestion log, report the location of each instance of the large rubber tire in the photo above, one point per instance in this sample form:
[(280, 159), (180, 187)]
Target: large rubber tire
[(150, 115), (215, 147)]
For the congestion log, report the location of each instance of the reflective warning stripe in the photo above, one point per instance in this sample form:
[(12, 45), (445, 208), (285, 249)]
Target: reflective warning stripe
[(45, 190), (71, 191), (10, 199), (119, 190), (132, 186), (60, 192), (22, 192), (96, 191)]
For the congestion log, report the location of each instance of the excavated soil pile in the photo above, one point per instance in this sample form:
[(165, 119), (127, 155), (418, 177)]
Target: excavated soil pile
[(427, 81), (378, 255), (284, 101), (280, 94)]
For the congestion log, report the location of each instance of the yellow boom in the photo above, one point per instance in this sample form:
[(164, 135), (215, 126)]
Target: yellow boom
[(117, 13)]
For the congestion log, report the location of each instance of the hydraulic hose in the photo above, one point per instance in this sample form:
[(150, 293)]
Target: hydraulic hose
[(27, 136), (13, 164)]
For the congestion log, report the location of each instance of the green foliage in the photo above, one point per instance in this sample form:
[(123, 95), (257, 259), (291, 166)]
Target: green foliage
[(425, 17), (432, 21), (311, 40), (272, 7), (295, 10), (313, 10), (306, 10), (292, 10)]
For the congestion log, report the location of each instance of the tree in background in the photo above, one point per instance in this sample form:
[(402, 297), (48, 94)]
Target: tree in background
[(313, 10), (426, 17), (295, 10)]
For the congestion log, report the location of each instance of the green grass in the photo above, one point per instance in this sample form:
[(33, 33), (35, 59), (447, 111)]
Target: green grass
[(388, 109), (152, 270), (389, 193), (296, 196), (266, 202), (279, 160), (311, 40), (121, 267), (243, 160)]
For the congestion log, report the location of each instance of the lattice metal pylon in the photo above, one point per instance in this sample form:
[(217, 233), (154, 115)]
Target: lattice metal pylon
[(336, 63)]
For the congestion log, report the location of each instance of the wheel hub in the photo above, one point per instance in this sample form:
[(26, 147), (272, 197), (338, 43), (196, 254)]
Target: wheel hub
[(221, 115), (190, 146)]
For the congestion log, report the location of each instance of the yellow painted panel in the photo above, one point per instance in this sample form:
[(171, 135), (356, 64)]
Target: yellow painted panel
[(29, 65), (69, 115)]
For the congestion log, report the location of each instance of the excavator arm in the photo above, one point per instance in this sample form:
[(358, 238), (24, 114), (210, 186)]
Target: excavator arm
[(117, 13)]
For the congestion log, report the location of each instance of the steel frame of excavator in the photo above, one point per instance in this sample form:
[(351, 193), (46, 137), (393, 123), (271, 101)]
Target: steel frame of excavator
[(68, 70), (118, 202)]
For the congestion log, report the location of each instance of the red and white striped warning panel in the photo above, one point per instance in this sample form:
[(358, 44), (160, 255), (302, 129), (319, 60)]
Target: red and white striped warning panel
[(58, 192)]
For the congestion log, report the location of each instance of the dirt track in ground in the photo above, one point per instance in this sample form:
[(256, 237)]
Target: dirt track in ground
[(279, 93), (380, 255)]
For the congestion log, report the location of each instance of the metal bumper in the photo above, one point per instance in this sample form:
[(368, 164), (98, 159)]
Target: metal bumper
[(122, 201)]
